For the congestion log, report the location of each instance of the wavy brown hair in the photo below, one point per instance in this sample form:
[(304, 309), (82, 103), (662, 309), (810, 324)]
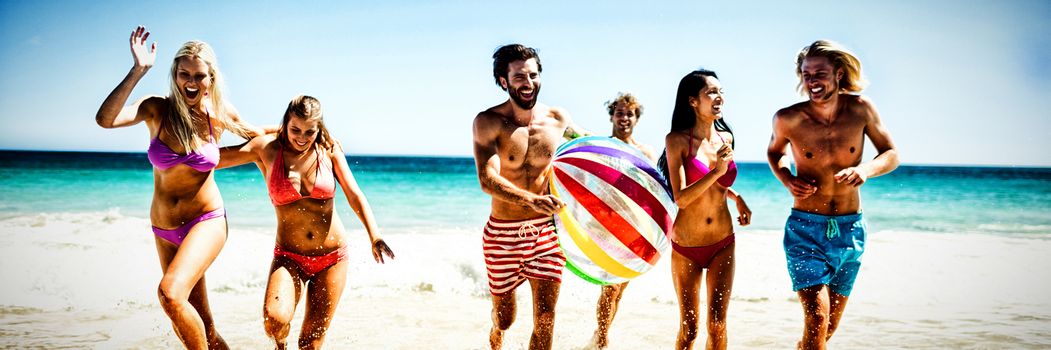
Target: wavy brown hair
[(627, 100), (307, 108)]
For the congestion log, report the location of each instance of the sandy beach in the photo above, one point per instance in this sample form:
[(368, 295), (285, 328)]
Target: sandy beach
[(89, 280)]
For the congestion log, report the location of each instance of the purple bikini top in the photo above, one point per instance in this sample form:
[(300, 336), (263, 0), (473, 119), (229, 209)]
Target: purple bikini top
[(695, 169), (203, 160)]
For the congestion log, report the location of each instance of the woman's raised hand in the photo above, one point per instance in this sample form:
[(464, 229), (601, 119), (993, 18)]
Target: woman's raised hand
[(144, 57)]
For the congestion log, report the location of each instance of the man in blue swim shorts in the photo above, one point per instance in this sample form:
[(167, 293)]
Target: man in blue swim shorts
[(825, 235)]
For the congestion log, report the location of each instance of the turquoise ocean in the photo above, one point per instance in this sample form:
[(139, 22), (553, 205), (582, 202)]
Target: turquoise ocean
[(418, 194), (956, 257)]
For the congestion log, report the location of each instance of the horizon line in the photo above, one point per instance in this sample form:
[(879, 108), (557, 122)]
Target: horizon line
[(378, 155)]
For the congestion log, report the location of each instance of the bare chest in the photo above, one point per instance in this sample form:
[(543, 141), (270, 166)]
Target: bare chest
[(837, 143), (528, 150)]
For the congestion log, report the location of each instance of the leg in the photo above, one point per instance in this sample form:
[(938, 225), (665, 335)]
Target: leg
[(686, 275), (199, 300), (606, 310), (283, 290), (720, 282), (837, 303), (184, 267), (545, 296), (322, 298), (503, 317), (815, 302)]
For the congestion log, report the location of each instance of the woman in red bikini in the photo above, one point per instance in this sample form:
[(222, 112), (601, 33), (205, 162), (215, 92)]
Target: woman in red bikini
[(701, 170), (302, 165), (189, 223)]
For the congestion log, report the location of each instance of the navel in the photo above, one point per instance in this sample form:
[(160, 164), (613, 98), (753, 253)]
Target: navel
[(511, 157), (832, 206), (709, 220), (809, 155), (852, 150)]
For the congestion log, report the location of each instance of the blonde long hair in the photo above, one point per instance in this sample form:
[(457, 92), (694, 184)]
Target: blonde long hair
[(179, 121), (308, 108), (840, 57)]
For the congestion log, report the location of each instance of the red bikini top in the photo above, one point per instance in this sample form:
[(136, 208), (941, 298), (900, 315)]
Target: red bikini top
[(281, 190)]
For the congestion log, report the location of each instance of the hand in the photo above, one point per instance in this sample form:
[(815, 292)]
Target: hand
[(379, 248), (144, 57), (744, 216), (546, 204), (723, 156), (801, 188), (851, 176)]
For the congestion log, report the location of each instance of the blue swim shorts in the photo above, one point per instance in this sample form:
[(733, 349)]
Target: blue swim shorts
[(823, 249)]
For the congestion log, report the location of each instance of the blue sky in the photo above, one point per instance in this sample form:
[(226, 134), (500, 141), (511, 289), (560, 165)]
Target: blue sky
[(956, 82)]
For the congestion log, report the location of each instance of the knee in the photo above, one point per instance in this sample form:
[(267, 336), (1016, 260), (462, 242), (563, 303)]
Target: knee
[(503, 320), (716, 328), (276, 322), (688, 330), (170, 296)]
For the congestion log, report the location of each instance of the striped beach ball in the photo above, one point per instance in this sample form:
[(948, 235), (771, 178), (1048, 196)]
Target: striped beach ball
[(619, 209)]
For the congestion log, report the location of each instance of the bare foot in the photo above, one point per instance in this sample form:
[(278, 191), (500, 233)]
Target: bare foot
[(496, 338)]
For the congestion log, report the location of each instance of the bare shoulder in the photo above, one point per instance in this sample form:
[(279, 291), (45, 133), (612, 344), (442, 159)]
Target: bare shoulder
[(263, 140), (860, 105), (558, 113), (491, 117), (792, 112), (337, 149), (676, 139), (155, 105), (648, 151)]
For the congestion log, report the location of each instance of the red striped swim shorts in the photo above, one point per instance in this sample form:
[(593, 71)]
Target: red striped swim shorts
[(517, 250)]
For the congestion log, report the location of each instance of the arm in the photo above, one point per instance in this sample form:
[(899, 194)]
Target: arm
[(240, 127), (781, 164), (487, 162), (686, 194), (744, 215), (572, 131), (113, 113), (887, 155), (358, 203), (248, 152)]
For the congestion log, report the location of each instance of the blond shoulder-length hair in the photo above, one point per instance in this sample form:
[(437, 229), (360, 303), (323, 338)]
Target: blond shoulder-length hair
[(307, 108), (178, 120), (840, 57)]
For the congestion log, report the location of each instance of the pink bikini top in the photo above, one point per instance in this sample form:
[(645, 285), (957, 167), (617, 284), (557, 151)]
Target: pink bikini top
[(695, 169), (204, 159), (281, 190)]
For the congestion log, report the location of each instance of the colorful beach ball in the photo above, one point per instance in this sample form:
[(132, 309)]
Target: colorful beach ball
[(619, 209)]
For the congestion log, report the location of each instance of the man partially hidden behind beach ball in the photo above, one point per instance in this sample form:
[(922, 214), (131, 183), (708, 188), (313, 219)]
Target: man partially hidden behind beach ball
[(825, 234)]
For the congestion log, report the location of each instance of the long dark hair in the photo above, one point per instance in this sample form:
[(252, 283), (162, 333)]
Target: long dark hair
[(683, 117)]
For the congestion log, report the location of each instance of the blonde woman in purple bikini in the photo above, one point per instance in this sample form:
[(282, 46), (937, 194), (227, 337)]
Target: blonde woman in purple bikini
[(189, 222)]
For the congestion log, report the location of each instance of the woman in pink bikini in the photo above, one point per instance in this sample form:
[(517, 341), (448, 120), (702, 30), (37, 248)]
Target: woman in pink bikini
[(701, 170), (189, 223), (302, 165)]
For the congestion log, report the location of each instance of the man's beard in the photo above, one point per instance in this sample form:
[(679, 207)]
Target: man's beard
[(524, 104)]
